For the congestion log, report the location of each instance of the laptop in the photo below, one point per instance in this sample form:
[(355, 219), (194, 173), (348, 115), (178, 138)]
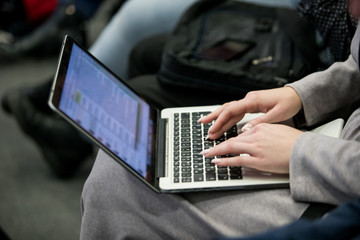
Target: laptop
[(160, 147)]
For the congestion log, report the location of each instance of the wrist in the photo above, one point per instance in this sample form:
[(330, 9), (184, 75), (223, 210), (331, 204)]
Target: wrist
[(294, 99)]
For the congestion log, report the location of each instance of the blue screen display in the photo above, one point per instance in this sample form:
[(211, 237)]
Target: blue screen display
[(108, 110)]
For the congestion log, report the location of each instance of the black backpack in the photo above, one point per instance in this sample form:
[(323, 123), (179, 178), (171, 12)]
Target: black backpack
[(235, 47)]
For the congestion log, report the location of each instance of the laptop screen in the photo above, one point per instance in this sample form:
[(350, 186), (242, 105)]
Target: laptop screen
[(108, 111)]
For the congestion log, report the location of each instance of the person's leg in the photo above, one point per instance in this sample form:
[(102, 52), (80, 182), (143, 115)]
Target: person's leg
[(136, 20), (62, 146), (117, 205)]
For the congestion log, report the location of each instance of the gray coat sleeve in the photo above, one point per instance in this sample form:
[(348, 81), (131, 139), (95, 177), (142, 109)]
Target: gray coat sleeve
[(325, 169), (323, 93)]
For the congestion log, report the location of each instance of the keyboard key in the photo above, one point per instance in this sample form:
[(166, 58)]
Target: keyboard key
[(198, 165), (185, 115), (186, 169), (186, 158), (184, 154), (210, 168), (186, 174), (185, 164), (187, 149), (222, 170), (196, 171), (198, 177), (210, 177), (197, 160), (186, 179), (223, 176), (236, 176)]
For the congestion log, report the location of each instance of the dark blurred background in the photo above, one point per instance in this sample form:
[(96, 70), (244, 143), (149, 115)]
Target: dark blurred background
[(34, 204)]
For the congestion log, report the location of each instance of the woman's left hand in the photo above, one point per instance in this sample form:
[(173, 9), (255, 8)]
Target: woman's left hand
[(268, 146)]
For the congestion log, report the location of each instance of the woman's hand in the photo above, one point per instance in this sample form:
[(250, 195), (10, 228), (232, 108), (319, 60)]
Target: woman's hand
[(278, 104), (268, 146)]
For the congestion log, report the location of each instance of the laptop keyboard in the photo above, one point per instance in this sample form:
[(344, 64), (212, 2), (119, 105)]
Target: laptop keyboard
[(189, 141)]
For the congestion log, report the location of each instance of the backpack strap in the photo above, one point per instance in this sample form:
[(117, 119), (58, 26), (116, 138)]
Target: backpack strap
[(316, 210)]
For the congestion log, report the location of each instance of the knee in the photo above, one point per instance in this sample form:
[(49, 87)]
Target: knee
[(102, 185)]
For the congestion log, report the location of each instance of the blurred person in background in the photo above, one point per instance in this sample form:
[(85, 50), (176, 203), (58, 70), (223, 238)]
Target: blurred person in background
[(37, 27), (62, 146)]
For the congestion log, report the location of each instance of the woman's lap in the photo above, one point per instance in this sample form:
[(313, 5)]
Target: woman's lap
[(116, 204)]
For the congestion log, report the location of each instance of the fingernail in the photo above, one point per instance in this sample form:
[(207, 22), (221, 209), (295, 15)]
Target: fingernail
[(207, 137), (200, 119), (204, 152), (246, 127), (216, 160)]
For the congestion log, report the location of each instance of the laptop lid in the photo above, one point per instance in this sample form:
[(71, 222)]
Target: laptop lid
[(106, 110)]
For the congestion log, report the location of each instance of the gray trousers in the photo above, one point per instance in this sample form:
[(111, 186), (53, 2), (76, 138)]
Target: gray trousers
[(116, 205)]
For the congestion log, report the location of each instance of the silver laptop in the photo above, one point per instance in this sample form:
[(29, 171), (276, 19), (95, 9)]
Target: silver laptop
[(159, 147)]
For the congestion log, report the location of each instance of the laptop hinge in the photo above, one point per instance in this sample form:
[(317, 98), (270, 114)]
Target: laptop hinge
[(161, 148)]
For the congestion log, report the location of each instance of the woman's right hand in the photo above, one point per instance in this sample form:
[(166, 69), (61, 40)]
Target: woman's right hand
[(278, 104)]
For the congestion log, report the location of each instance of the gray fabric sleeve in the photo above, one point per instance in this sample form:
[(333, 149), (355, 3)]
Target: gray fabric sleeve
[(324, 93), (325, 169)]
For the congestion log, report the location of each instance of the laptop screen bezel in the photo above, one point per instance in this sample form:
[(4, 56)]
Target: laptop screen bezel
[(54, 103)]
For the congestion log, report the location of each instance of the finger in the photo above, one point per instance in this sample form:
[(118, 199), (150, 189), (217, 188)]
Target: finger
[(224, 115), (270, 117), (239, 161), (215, 135), (229, 147), (211, 116), (224, 122)]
